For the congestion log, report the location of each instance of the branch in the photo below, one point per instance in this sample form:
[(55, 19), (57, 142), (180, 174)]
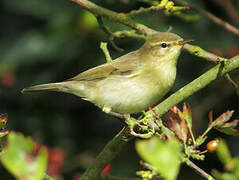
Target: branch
[(108, 32), (131, 34), (212, 17), (199, 52), (109, 152), (153, 8), (103, 46), (118, 17), (197, 84), (229, 79), (118, 142), (124, 19), (199, 170)]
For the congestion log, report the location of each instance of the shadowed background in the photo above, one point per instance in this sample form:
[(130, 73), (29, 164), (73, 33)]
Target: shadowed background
[(49, 41)]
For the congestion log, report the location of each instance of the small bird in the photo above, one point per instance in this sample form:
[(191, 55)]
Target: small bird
[(130, 83)]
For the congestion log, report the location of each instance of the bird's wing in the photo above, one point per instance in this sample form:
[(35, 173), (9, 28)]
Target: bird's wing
[(120, 66)]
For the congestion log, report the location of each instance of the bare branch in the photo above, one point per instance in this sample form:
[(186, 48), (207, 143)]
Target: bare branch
[(199, 170), (211, 16), (197, 51), (151, 9), (118, 17)]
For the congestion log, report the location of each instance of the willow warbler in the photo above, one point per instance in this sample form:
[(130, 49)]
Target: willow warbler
[(130, 83)]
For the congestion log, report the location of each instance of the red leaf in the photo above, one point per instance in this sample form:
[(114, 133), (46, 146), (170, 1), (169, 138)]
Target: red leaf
[(8, 79), (106, 170)]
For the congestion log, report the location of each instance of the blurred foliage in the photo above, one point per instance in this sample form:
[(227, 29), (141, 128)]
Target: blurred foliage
[(164, 157), (49, 41), (231, 164), (21, 160)]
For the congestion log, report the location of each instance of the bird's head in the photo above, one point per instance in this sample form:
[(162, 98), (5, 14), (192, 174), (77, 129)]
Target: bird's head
[(163, 45)]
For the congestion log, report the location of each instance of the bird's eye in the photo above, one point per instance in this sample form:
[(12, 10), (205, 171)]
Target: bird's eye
[(164, 45)]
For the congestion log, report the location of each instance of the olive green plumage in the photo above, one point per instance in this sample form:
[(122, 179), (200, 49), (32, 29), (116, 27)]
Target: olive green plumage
[(130, 83)]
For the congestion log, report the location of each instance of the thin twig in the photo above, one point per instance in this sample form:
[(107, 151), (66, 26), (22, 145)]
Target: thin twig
[(151, 9), (103, 46), (145, 10), (109, 33), (114, 45), (198, 170), (117, 115), (47, 177), (229, 79), (130, 33), (197, 51), (124, 19), (211, 16), (146, 165), (103, 27), (118, 17)]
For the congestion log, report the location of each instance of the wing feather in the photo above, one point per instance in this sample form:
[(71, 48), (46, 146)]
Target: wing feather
[(120, 66)]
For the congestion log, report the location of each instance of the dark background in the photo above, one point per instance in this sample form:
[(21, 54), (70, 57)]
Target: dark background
[(53, 40)]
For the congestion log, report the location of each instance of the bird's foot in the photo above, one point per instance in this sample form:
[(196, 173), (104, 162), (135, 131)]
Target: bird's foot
[(143, 128), (139, 128)]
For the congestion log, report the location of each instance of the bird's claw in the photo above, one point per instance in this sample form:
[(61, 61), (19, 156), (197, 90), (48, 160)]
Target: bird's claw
[(140, 128)]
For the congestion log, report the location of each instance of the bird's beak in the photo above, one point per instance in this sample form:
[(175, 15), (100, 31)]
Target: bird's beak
[(184, 42)]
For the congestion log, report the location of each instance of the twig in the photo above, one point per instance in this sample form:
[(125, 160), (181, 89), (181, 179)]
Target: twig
[(212, 17), (146, 165), (228, 77), (196, 85), (117, 115), (197, 51), (145, 10), (118, 17), (229, 8), (103, 46), (151, 9), (122, 18), (131, 34), (109, 152), (198, 170), (103, 27), (110, 34)]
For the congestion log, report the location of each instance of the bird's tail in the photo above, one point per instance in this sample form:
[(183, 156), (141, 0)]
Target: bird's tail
[(61, 86)]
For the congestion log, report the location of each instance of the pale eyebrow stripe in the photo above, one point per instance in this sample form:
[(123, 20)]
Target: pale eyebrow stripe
[(159, 43)]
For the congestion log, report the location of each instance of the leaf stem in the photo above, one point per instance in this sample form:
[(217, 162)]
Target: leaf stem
[(198, 170), (205, 132)]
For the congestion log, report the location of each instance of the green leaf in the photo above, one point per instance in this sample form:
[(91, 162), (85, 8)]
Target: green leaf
[(222, 119), (20, 160), (187, 114), (224, 176), (223, 152), (228, 128), (163, 156)]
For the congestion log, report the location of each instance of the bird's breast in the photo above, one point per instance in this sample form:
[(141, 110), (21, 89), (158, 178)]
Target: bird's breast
[(134, 93)]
